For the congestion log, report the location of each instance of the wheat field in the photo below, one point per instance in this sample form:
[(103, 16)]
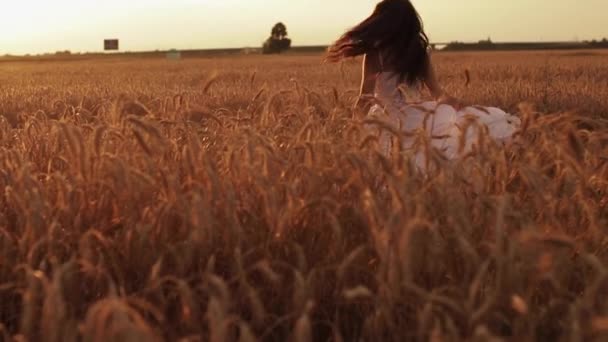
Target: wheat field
[(241, 199)]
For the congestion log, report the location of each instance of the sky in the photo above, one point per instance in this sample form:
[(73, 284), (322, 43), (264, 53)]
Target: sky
[(37, 26)]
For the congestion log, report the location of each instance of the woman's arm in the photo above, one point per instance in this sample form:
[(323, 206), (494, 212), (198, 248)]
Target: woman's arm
[(431, 80), (370, 68), (435, 88)]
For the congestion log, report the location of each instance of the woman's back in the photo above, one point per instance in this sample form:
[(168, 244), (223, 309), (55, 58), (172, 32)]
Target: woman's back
[(390, 89)]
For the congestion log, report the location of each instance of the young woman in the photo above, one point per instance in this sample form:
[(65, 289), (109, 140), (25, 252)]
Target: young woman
[(396, 63)]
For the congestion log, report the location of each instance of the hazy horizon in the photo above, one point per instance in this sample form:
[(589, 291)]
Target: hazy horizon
[(39, 26)]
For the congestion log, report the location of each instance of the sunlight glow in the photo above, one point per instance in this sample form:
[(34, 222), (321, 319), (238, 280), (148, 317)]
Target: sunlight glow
[(32, 26)]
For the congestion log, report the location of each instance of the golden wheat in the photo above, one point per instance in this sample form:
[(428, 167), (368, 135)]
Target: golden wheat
[(242, 199)]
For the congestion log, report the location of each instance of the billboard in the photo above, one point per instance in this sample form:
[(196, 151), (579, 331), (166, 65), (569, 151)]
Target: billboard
[(110, 44)]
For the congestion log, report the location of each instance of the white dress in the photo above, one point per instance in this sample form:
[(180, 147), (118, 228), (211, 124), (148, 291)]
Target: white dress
[(452, 132)]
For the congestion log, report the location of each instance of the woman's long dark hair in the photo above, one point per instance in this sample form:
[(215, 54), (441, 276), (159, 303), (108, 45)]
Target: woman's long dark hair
[(394, 29)]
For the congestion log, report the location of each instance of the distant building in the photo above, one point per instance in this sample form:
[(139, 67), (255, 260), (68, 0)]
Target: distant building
[(250, 51), (174, 55)]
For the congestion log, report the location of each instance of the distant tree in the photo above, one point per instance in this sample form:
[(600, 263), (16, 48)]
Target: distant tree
[(600, 43), (279, 31), (278, 41)]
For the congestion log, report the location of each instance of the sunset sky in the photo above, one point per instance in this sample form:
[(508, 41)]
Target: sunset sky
[(34, 26)]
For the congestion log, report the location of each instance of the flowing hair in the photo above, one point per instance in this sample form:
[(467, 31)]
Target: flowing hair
[(396, 31)]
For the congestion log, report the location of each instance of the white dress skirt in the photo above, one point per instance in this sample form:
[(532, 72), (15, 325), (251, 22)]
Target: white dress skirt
[(452, 132)]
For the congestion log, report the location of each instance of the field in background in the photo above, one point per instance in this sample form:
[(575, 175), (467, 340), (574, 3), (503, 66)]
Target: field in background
[(553, 81), (240, 199)]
